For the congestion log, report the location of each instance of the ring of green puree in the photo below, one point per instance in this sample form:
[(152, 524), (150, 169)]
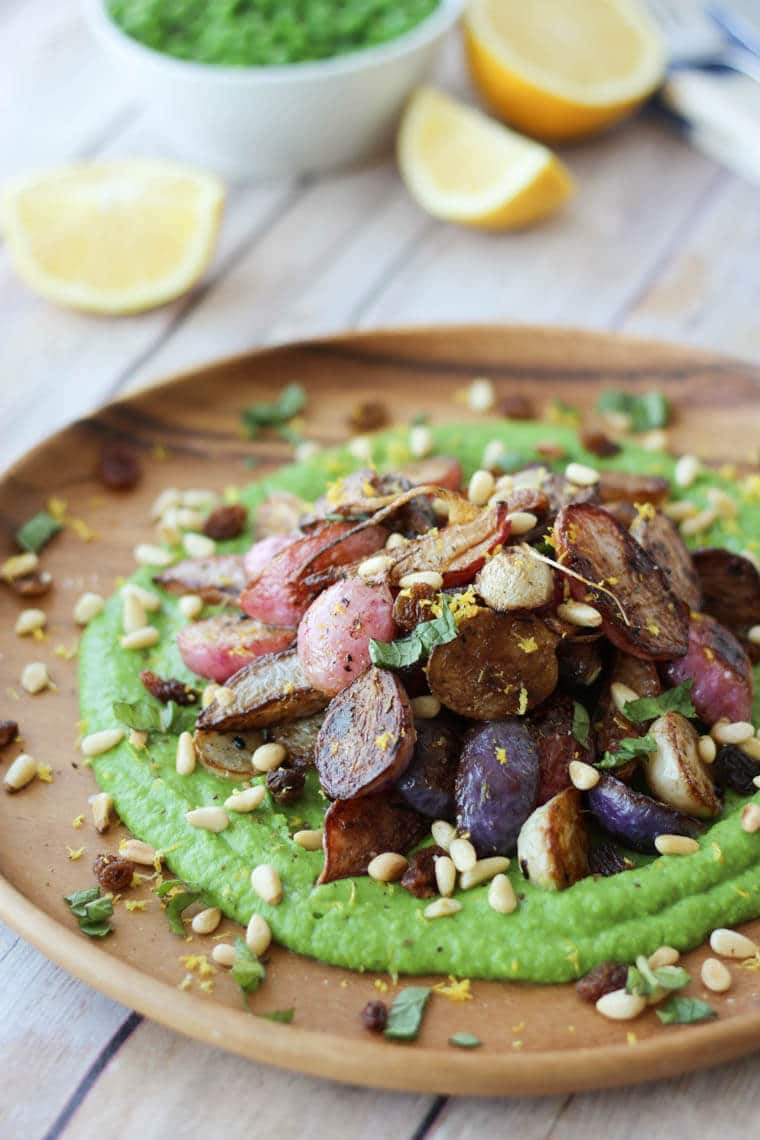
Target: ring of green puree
[(366, 925)]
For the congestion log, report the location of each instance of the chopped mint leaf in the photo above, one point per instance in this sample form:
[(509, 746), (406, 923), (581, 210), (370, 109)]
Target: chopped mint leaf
[(37, 532), (289, 403), (79, 900), (646, 411), (685, 1011), (144, 716), (92, 911), (247, 970), (672, 700), (672, 977), (409, 650), (284, 1016), (581, 723), (628, 749), (420, 420), (178, 903), (405, 1015), (465, 1040), (644, 980)]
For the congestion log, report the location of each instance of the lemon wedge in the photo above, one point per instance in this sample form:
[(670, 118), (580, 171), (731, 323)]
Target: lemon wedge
[(461, 166), (562, 69), (112, 237)]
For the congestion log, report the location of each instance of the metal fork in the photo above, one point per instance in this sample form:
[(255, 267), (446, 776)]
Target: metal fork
[(695, 39)]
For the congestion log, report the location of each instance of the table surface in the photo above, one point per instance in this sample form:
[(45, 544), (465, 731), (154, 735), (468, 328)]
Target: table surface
[(659, 241)]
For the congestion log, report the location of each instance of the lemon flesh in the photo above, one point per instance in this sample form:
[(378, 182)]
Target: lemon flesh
[(112, 237), (461, 166), (562, 70)]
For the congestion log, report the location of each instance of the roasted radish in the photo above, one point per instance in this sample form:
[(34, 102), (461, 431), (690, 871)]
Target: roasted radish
[(624, 486), (662, 540), (219, 578), (514, 580), (674, 772), (496, 785), (357, 830), (551, 727), (220, 646), (335, 632), (458, 551), (271, 689), (553, 844), (438, 471), (720, 670), (634, 818), (263, 551), (299, 737), (428, 783), (731, 587), (228, 753)]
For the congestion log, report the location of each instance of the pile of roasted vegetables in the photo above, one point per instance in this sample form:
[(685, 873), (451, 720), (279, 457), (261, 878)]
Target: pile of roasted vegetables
[(434, 659)]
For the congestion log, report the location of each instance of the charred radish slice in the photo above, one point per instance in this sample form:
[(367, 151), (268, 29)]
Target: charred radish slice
[(731, 587), (623, 486), (216, 579), (367, 738), (551, 728), (634, 818), (299, 737), (553, 843), (580, 660), (228, 753), (438, 471), (640, 612), (662, 540), (220, 646), (458, 551), (500, 665), (357, 830), (271, 689), (335, 632), (610, 725), (428, 783), (263, 551), (496, 785), (674, 772), (720, 670)]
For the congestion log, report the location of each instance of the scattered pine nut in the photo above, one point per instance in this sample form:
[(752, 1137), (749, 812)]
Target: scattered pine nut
[(395, 541), (224, 954), (29, 621), (754, 635), (732, 732), (148, 554), (35, 678), (750, 818), (676, 845), (246, 800), (580, 614), (493, 453), (87, 607), (199, 497), (425, 708), (581, 475), (481, 487), (21, 772), (686, 471), (724, 506), (621, 694), (656, 440), (206, 921), (463, 854), (268, 756), (133, 616), (664, 956), (583, 776), (19, 565), (305, 450), (198, 545), (144, 638), (138, 852), (707, 749), (422, 578), (149, 601), (620, 1006), (190, 606), (481, 395), (443, 833), (445, 875), (442, 908), (699, 522), (266, 882), (309, 839), (375, 566), (731, 944), (501, 895), (420, 441), (756, 781), (101, 806), (360, 448), (208, 819), (169, 497), (680, 509), (483, 870), (751, 748), (715, 976), (258, 936), (387, 867), (99, 742), (520, 522), (185, 758)]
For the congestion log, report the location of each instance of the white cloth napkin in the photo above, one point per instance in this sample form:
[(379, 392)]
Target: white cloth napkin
[(720, 114)]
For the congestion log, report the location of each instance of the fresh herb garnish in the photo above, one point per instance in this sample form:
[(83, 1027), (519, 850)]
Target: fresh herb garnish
[(672, 700), (283, 1016), (289, 403), (628, 749), (178, 902), (465, 1040), (37, 532), (646, 411), (405, 1015), (247, 970), (409, 650), (92, 910), (143, 716), (420, 420), (581, 723), (643, 980), (685, 1011)]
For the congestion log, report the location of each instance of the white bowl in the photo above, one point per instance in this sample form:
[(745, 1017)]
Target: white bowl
[(266, 122)]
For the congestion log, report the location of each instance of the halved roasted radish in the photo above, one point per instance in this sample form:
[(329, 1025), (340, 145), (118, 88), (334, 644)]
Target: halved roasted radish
[(335, 632), (219, 646), (228, 753), (662, 540), (630, 487), (263, 551), (674, 771), (553, 844), (219, 578), (268, 690), (357, 830), (458, 551), (720, 670), (731, 587)]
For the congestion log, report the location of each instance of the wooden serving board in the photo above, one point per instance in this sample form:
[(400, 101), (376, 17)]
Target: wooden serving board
[(536, 1039)]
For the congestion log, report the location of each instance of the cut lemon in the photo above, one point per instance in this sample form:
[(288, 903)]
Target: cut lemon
[(461, 166), (562, 69), (112, 237)]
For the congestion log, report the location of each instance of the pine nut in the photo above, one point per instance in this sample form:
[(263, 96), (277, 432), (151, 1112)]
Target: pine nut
[(679, 509), (21, 772), (374, 567), (309, 839), (148, 554), (443, 833), (583, 776), (493, 453), (620, 1006), (520, 522), (206, 921), (754, 635), (305, 450), (707, 749), (35, 678), (99, 742), (87, 607), (442, 908), (686, 470), (185, 758), (101, 805), (169, 497), (756, 781), (29, 621), (360, 448), (750, 818), (198, 545), (395, 541), (664, 956), (581, 475), (715, 976), (481, 395), (699, 522), (266, 882), (722, 503), (480, 487), (188, 519), (143, 638), (246, 800), (578, 613), (268, 756), (258, 936), (501, 895), (137, 739), (208, 818), (425, 708), (621, 694), (18, 565), (133, 616), (483, 870), (138, 852), (445, 875), (676, 845), (656, 440), (149, 601), (751, 748), (422, 578), (732, 944), (224, 954), (199, 497), (463, 854), (420, 441), (387, 867), (732, 732), (190, 606)]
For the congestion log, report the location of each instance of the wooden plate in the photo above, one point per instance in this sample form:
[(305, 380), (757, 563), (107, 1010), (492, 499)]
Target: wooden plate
[(536, 1039)]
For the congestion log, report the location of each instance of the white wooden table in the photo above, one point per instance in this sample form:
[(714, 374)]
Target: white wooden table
[(659, 241)]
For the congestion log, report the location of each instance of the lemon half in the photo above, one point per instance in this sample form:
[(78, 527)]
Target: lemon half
[(112, 237), (562, 69)]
